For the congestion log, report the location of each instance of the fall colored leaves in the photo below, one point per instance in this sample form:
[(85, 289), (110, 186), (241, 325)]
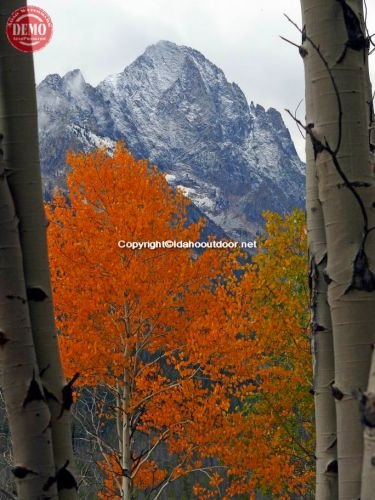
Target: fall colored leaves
[(204, 356)]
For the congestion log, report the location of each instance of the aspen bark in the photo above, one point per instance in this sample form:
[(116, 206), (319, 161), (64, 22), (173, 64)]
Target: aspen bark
[(28, 413), (322, 340), (18, 119), (126, 442), (126, 461), (368, 466), (346, 191)]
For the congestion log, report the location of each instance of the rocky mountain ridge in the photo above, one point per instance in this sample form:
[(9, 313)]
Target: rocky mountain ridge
[(176, 108)]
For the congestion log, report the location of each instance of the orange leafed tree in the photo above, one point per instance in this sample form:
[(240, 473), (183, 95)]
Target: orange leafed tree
[(274, 295), (184, 355), (267, 438)]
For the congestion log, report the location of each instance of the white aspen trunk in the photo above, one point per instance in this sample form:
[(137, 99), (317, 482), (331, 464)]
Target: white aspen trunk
[(322, 345), (325, 411), (346, 190), (125, 431), (368, 400), (119, 426), (18, 119), (126, 442), (368, 469), (28, 413), (322, 340)]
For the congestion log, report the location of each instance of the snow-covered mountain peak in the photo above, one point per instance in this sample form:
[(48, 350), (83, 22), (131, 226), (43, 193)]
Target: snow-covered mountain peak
[(74, 82), (176, 108)]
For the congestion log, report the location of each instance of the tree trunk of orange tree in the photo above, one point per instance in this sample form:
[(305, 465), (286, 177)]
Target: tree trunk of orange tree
[(126, 462), (336, 71), (18, 121), (126, 442)]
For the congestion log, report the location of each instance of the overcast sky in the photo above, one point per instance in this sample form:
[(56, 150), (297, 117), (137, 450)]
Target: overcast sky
[(240, 36)]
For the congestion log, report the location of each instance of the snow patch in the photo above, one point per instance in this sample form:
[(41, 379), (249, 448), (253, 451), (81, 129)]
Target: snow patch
[(170, 178)]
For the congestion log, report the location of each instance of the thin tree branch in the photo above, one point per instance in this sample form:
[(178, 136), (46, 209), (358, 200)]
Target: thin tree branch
[(334, 84)]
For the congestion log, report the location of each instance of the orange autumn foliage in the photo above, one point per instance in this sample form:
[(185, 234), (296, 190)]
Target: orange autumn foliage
[(195, 350), (277, 440)]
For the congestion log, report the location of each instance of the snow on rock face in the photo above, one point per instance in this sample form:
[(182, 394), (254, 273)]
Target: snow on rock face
[(170, 178), (176, 108)]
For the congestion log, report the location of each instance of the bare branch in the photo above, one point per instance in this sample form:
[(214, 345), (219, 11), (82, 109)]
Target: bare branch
[(334, 84), (291, 43)]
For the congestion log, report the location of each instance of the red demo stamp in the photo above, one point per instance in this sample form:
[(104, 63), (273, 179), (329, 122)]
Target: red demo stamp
[(29, 28)]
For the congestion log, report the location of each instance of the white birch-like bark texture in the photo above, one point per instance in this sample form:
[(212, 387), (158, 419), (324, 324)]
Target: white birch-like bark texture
[(368, 417), (126, 461), (27, 410), (18, 120), (322, 341), (367, 401), (337, 76), (321, 331)]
